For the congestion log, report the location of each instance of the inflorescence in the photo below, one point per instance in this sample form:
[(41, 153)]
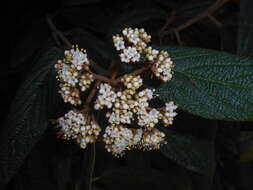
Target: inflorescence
[(131, 121)]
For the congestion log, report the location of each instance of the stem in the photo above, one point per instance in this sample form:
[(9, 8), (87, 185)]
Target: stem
[(169, 21), (92, 93), (208, 11), (113, 81), (86, 183), (58, 32), (92, 165), (102, 78), (136, 72)]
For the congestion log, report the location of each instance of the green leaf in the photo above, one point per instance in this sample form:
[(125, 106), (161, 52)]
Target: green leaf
[(193, 153), (126, 178), (246, 146), (135, 17), (210, 84), (246, 29), (35, 103)]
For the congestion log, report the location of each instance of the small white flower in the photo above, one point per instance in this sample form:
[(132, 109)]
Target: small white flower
[(130, 54), (118, 42), (73, 125), (169, 113), (118, 139), (106, 97)]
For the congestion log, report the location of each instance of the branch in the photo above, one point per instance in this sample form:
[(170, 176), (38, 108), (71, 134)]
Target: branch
[(206, 13), (209, 11), (86, 181), (56, 31), (92, 93)]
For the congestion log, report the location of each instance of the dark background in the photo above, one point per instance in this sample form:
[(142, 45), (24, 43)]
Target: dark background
[(54, 164)]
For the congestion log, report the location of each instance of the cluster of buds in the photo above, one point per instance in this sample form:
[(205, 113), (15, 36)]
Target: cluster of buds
[(131, 121), (151, 139), (106, 97), (119, 138), (73, 74), (74, 125), (168, 114), (132, 44), (132, 82), (128, 106)]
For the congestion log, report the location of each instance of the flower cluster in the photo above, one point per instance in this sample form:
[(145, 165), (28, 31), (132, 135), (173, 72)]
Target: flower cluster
[(168, 113), (132, 82), (73, 74), (119, 138), (73, 125), (151, 139), (127, 106), (132, 43), (106, 97), (130, 120)]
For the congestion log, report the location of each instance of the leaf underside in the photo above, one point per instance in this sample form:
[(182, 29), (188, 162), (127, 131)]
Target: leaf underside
[(35, 102)]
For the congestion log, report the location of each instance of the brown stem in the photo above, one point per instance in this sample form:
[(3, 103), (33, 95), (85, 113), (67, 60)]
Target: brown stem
[(102, 78), (56, 31), (97, 68), (215, 21), (114, 81), (136, 72), (92, 93), (169, 20), (206, 13)]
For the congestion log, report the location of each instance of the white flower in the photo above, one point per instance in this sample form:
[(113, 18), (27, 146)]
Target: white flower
[(118, 42), (67, 75), (70, 94), (169, 113), (79, 58), (73, 125), (163, 67), (106, 97), (85, 81), (148, 119), (132, 82), (151, 54), (119, 138), (152, 139), (130, 54)]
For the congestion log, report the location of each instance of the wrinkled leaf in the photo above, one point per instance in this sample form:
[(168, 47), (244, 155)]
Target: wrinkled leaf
[(193, 153), (33, 106), (210, 84)]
